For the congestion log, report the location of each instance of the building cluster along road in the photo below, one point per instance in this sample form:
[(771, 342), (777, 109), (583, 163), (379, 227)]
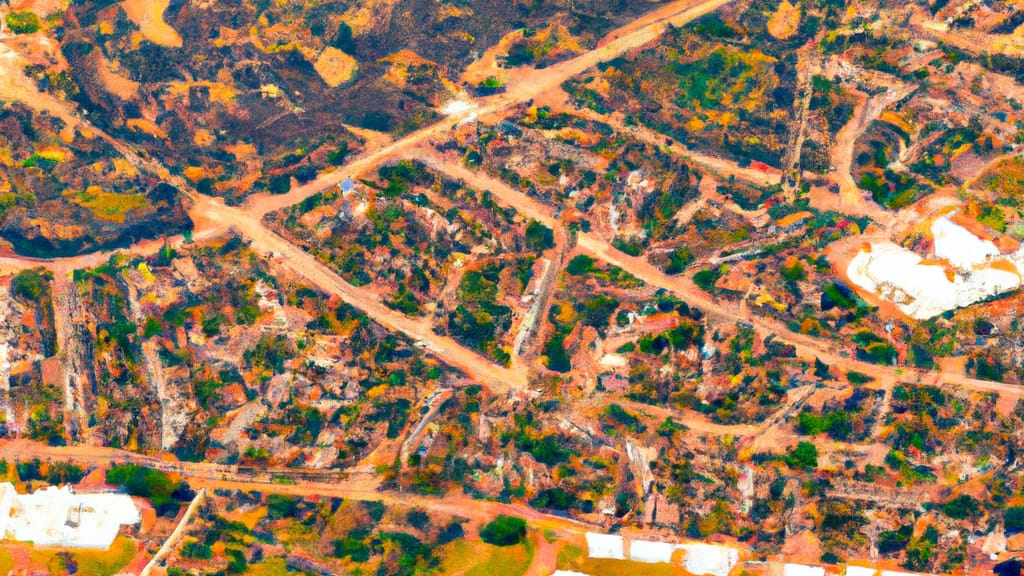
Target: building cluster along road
[(212, 218)]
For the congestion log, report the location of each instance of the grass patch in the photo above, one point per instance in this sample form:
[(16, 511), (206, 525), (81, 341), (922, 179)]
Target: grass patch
[(605, 567), (23, 22), (6, 561), (477, 558), (270, 567), (574, 558), (108, 205), (92, 562)]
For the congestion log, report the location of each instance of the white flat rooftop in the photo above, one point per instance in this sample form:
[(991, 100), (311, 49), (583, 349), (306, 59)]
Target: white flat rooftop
[(605, 546), (966, 269), (58, 517)]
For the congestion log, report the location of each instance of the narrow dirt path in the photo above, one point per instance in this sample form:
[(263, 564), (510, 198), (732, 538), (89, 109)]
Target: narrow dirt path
[(67, 313), (719, 166), (179, 532), (528, 85), (289, 256), (852, 199)]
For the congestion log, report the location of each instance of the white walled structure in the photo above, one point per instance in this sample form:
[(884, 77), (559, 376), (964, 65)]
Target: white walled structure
[(965, 270), (605, 546), (803, 570), (700, 559), (58, 517), (650, 552), (709, 559)]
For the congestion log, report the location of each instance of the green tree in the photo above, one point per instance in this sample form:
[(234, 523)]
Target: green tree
[(539, 237), (504, 531), (23, 22), (803, 456), (343, 38)]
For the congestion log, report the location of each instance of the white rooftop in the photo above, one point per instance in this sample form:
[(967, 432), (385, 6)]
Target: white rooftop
[(650, 552), (923, 289), (803, 570), (58, 517), (605, 546), (709, 559)]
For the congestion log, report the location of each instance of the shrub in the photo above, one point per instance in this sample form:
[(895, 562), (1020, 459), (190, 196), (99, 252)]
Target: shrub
[(504, 531), (147, 483), (418, 519), (539, 237), (580, 265), (28, 284), (23, 22), (803, 456), (1013, 518), (557, 357), (196, 550), (961, 507), (282, 506)]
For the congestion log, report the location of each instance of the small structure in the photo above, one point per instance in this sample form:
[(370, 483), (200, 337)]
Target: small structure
[(56, 516), (709, 559), (605, 546), (650, 552), (803, 570)]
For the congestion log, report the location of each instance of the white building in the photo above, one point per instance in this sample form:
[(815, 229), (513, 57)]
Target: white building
[(605, 546), (58, 517)]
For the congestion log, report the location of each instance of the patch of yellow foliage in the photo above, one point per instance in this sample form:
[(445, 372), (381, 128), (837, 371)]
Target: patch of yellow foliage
[(146, 127), (203, 138), (147, 275), (123, 167), (695, 124), (220, 92), (107, 205), (53, 153), (785, 21), (897, 120), (335, 67), (194, 173), (148, 15), (241, 150)]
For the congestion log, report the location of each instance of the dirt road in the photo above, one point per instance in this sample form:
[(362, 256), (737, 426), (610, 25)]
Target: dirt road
[(527, 85), (719, 166), (807, 347), (852, 200), (286, 255)]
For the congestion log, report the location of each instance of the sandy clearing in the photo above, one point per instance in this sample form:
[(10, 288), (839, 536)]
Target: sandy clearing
[(148, 15)]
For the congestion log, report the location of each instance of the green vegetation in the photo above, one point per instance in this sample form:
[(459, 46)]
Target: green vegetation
[(624, 417), (706, 279), (479, 320), (110, 206), (30, 284), (161, 491), (504, 531), (858, 378), (804, 456), (539, 237), (23, 22)]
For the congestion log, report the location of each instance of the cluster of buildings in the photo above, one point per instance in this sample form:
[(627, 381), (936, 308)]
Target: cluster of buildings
[(703, 559)]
